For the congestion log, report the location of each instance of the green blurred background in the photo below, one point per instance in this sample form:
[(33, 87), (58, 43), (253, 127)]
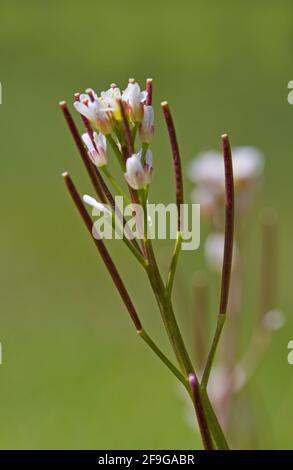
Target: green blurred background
[(74, 373)]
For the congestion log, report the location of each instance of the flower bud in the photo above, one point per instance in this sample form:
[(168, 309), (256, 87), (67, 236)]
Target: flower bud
[(138, 175), (134, 99), (109, 98), (97, 148), (147, 125)]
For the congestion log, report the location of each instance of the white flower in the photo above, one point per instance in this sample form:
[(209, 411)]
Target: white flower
[(138, 175), (134, 98), (207, 172), (273, 320), (208, 167), (214, 251), (98, 207), (97, 112), (204, 197), (147, 125), (97, 150), (109, 98)]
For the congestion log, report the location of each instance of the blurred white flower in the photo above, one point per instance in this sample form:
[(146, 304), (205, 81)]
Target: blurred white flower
[(273, 320), (97, 149), (138, 175), (240, 378), (207, 173), (214, 251), (208, 167), (219, 384)]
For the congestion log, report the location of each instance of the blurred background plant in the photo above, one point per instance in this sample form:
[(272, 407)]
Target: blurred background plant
[(230, 387), (226, 66)]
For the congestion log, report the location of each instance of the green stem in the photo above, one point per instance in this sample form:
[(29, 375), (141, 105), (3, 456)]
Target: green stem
[(115, 184), (134, 251), (128, 243), (163, 299), (214, 424), (134, 131), (116, 151), (143, 334), (212, 353), (173, 264), (173, 331)]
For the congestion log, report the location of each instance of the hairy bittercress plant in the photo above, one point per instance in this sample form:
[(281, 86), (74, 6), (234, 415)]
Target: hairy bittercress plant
[(123, 123)]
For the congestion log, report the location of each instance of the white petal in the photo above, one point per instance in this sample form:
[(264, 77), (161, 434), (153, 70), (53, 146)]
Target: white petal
[(143, 96), (126, 92), (92, 93), (133, 163), (84, 97), (100, 141), (110, 96), (135, 175), (91, 201), (82, 109), (88, 141), (148, 117)]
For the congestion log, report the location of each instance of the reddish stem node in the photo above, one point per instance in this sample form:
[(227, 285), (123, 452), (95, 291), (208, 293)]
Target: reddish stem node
[(196, 398)]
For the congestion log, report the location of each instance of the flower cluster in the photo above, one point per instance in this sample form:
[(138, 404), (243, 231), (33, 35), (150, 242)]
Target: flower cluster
[(118, 120), (105, 114)]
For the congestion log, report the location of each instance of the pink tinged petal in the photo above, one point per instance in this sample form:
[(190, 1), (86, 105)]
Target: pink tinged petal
[(133, 96), (97, 158), (143, 96), (84, 98), (100, 141), (147, 125), (135, 174), (91, 92), (82, 109), (99, 155), (88, 142), (148, 117), (149, 158), (97, 151)]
